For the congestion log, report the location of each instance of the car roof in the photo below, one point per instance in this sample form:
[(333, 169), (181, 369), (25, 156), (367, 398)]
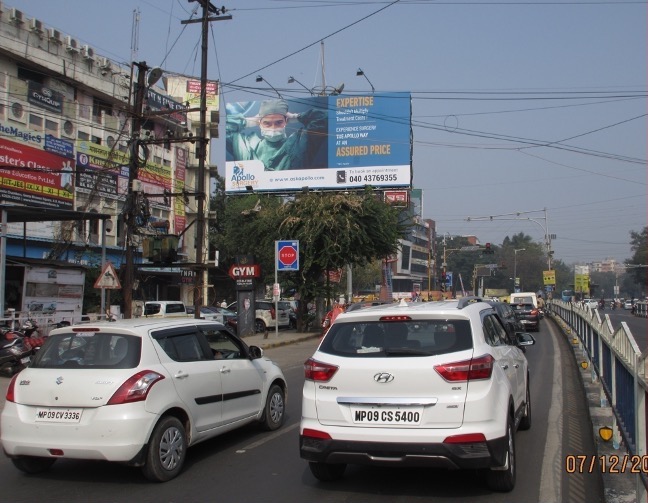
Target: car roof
[(457, 308), (137, 323)]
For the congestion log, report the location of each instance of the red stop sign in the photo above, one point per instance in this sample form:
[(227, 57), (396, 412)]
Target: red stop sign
[(287, 255)]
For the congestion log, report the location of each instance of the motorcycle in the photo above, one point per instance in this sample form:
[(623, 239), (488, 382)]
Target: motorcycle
[(15, 353)]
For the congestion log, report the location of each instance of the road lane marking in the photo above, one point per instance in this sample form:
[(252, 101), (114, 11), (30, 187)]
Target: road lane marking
[(268, 438)]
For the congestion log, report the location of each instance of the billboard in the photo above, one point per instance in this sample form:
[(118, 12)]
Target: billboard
[(324, 143)]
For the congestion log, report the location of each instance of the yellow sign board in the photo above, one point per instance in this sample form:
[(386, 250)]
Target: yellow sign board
[(549, 277)]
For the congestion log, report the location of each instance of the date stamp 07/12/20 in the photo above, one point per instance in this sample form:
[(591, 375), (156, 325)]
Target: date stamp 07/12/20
[(613, 463)]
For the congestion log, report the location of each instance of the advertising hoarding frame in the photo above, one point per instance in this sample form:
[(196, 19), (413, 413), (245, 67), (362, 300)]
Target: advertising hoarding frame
[(334, 143)]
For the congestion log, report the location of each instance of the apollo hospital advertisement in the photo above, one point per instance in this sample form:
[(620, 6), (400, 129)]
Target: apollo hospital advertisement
[(336, 142)]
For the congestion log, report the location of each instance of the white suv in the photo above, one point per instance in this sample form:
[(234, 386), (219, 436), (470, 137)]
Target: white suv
[(429, 384), (138, 392)]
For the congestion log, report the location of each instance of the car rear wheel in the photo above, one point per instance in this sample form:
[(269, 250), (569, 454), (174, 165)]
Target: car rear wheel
[(326, 472), (260, 326), (502, 479), (275, 409), (33, 464), (167, 450), (525, 422)]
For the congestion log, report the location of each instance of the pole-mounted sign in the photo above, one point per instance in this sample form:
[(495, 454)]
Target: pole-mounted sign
[(287, 253)]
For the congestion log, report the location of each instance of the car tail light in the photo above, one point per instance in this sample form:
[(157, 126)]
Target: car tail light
[(318, 371), (11, 390), (136, 388), (467, 370), (272, 313), (322, 435), (468, 438), (534, 312)]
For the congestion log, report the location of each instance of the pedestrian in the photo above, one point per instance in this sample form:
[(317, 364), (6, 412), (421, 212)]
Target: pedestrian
[(223, 304)]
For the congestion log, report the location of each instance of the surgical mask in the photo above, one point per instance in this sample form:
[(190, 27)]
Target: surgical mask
[(273, 135)]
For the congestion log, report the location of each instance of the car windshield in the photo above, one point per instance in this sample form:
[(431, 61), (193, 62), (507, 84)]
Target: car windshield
[(89, 350), (402, 338)]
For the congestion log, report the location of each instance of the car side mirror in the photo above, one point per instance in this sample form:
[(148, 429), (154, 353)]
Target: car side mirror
[(255, 352), (524, 339)]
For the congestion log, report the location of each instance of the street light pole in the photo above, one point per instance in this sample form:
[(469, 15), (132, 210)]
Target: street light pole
[(515, 252)]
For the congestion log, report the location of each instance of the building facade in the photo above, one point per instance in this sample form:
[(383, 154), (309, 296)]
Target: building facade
[(66, 139)]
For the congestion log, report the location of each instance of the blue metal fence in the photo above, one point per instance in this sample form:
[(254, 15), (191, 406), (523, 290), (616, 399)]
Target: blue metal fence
[(619, 365)]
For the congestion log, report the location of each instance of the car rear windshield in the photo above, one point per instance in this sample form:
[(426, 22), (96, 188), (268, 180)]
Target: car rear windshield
[(402, 338), (99, 350), (523, 307)]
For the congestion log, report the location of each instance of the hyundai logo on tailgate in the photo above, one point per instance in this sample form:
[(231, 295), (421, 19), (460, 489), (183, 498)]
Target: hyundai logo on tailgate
[(383, 377)]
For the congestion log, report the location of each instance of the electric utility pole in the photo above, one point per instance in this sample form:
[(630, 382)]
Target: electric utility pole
[(200, 268), (131, 198)]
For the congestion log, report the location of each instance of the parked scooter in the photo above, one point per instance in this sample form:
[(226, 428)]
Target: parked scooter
[(15, 354)]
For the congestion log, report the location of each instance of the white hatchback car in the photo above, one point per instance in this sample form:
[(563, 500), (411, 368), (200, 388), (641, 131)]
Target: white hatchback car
[(138, 392), (428, 384)]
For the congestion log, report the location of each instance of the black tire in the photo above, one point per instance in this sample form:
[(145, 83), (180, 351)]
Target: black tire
[(504, 480), (326, 472), (33, 464), (167, 450), (260, 326), (275, 409), (525, 422)]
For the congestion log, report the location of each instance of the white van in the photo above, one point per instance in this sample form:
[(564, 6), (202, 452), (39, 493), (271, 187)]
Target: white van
[(525, 298), (165, 309)]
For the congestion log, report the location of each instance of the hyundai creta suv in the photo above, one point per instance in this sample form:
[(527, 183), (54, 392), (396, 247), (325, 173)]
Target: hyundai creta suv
[(432, 384)]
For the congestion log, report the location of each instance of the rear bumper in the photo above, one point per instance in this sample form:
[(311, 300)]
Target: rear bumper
[(487, 454)]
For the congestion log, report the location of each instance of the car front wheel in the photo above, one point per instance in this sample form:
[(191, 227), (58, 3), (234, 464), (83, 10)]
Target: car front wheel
[(167, 450), (525, 422), (275, 408)]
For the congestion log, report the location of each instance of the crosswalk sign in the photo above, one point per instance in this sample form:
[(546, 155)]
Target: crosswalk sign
[(108, 278)]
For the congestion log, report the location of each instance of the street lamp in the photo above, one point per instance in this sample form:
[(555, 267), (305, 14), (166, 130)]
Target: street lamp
[(515, 252), (361, 73), (260, 78)]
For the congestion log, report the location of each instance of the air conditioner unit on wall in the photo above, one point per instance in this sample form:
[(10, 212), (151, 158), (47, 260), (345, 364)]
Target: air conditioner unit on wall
[(105, 64), (36, 25), (16, 16), (55, 35), (71, 44), (87, 52)]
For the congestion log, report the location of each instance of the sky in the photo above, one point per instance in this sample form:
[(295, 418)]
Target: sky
[(527, 116)]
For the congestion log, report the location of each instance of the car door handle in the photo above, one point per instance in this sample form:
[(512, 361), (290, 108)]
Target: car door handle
[(225, 370), (505, 366), (181, 375)]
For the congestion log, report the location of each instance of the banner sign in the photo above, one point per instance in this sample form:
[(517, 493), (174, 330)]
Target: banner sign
[(35, 177), (327, 142)]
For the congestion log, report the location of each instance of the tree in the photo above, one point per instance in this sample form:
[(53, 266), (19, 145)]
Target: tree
[(339, 229), (333, 230), (636, 266)]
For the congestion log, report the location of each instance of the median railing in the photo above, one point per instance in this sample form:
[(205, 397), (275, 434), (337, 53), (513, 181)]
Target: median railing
[(620, 366)]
